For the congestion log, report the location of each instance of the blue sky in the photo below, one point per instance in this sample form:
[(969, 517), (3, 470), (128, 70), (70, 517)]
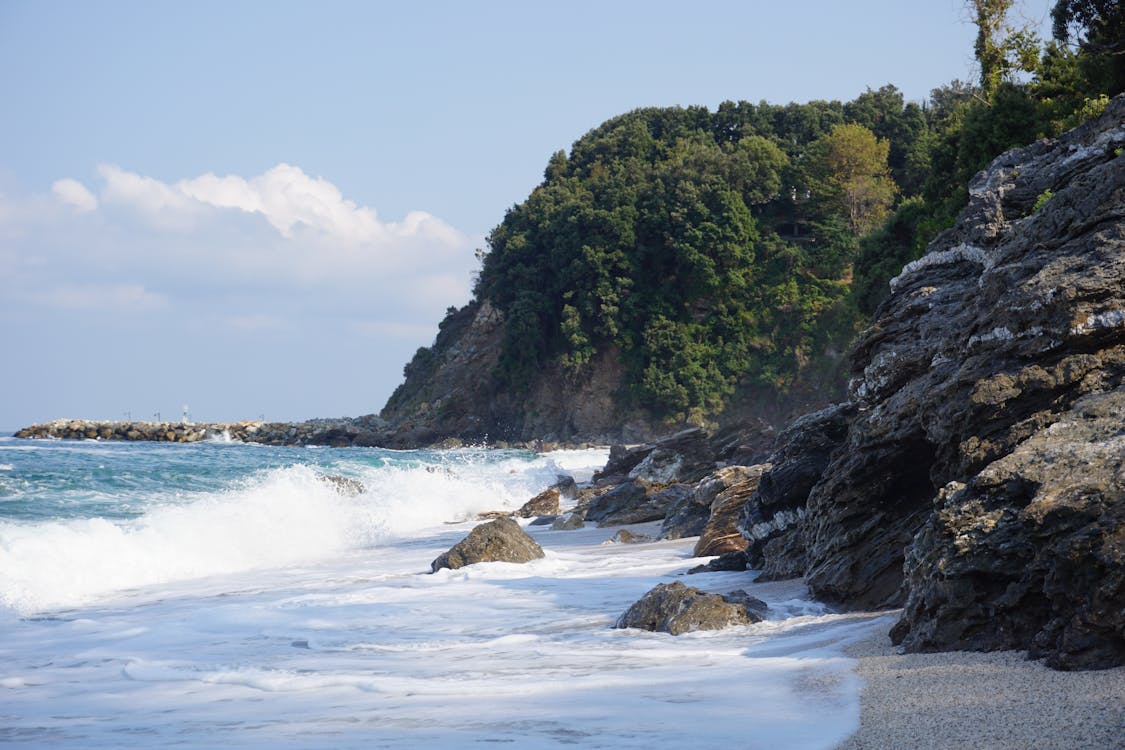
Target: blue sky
[(264, 208)]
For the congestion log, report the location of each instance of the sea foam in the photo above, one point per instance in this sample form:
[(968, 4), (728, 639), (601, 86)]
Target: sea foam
[(282, 517)]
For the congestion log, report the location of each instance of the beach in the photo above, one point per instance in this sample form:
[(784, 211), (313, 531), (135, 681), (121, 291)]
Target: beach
[(998, 701)]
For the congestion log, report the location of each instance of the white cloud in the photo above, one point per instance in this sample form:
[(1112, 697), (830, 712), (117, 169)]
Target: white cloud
[(291, 202), (75, 194)]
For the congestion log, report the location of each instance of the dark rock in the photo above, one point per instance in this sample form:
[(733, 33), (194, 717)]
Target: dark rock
[(1030, 551), (721, 534), (568, 522), (635, 502), (753, 604), (546, 503), (675, 608), (501, 540), (735, 561), (567, 487), (543, 521), (777, 508), (689, 515), (686, 456), (1011, 318), (622, 460), (744, 443), (783, 557), (685, 517)]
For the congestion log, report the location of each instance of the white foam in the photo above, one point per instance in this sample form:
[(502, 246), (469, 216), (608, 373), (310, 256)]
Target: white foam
[(369, 651), (285, 517)]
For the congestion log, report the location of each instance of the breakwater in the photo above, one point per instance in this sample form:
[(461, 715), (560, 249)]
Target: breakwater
[(369, 431)]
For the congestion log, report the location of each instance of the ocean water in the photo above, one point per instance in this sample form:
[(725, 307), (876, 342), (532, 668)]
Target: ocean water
[(224, 595)]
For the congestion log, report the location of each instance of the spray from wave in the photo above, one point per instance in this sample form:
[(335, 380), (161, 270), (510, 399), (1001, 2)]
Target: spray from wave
[(281, 517)]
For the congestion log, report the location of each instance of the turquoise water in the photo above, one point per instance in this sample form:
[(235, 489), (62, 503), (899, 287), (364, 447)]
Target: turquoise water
[(65, 479)]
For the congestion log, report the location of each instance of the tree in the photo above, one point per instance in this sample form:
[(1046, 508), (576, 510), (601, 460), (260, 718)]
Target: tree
[(1098, 28), (1001, 49), (848, 176)]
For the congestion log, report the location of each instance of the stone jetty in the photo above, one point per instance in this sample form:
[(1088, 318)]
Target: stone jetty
[(365, 431)]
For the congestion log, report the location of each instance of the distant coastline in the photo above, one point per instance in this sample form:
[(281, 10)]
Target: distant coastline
[(341, 432)]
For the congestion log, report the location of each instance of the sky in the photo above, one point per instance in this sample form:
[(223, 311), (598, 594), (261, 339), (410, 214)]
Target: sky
[(262, 209)]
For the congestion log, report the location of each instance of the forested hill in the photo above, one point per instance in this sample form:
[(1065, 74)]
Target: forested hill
[(688, 265)]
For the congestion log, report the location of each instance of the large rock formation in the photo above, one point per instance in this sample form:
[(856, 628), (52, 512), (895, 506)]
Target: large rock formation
[(986, 370), (771, 519), (1032, 549)]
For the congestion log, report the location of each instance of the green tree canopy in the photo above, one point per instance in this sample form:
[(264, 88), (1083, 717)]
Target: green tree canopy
[(848, 176)]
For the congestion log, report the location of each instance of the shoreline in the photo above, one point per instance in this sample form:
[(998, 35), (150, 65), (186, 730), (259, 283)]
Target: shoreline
[(996, 700)]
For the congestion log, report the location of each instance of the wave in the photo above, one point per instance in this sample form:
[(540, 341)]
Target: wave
[(277, 518)]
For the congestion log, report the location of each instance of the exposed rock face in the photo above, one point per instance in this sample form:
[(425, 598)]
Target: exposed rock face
[(1032, 549), (501, 540), (777, 508), (721, 534), (450, 390), (675, 608), (1010, 319)]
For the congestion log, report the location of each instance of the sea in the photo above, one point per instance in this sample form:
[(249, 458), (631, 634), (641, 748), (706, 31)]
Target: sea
[(226, 595)]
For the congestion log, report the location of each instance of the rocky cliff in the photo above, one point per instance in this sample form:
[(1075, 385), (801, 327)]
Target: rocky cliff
[(451, 391), (984, 445)]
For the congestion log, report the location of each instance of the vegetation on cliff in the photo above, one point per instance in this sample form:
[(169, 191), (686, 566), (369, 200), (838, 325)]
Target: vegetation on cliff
[(733, 248)]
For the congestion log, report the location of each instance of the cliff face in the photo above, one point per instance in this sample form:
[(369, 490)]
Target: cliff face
[(454, 393), (451, 390), (986, 442)]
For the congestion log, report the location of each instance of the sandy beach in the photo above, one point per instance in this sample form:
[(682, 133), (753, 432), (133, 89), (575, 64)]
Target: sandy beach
[(981, 700)]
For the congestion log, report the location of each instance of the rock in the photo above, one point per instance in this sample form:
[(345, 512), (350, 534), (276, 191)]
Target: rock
[(1011, 319), (346, 486), (746, 442), (685, 517), (568, 522), (753, 604), (546, 503), (689, 515), (777, 507), (783, 557), (544, 520), (675, 608), (1031, 552), (731, 561), (686, 456), (634, 502), (501, 540), (567, 487), (624, 536), (721, 533)]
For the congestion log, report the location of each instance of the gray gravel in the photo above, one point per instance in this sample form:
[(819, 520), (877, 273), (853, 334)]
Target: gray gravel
[(993, 701)]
